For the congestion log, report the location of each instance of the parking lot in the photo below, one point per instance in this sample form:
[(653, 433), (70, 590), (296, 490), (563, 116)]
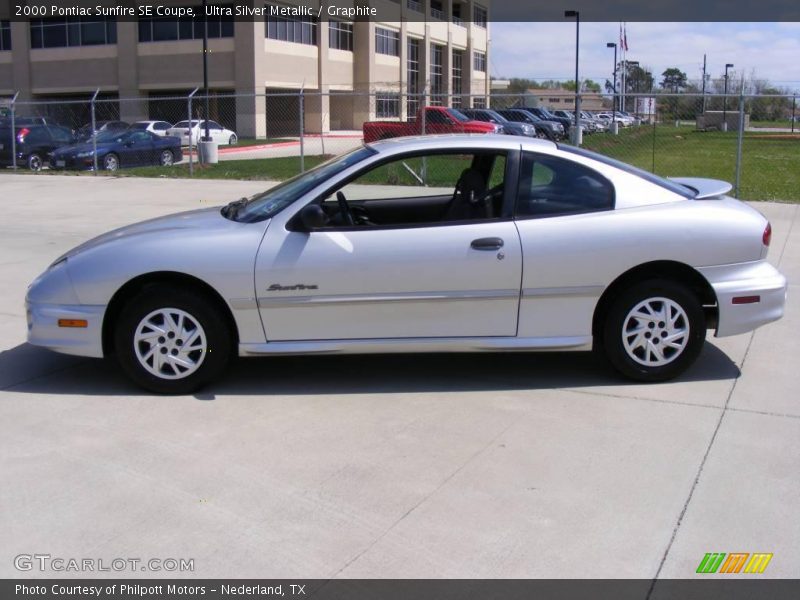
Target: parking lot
[(399, 466)]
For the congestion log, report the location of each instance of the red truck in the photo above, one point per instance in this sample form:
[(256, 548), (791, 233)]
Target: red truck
[(438, 119)]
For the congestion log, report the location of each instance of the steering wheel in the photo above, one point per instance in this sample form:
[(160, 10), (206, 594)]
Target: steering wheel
[(344, 209)]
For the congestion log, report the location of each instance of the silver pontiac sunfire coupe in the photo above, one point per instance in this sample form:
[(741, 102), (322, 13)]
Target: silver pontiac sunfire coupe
[(430, 244)]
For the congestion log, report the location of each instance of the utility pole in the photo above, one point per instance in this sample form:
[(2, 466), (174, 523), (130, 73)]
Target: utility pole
[(704, 84)]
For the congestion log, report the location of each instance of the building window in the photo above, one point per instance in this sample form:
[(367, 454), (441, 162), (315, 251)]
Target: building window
[(457, 18), (479, 102), (160, 29), (300, 30), (73, 31), (5, 35), (480, 16), (412, 76), (387, 105), (458, 60), (554, 100), (437, 10), (340, 35), (414, 5), (387, 41), (479, 61), (437, 75)]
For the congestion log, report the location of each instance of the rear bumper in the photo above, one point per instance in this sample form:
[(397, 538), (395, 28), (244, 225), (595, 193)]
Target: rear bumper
[(760, 287)]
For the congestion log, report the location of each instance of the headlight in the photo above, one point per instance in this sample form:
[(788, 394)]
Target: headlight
[(86, 154), (527, 128)]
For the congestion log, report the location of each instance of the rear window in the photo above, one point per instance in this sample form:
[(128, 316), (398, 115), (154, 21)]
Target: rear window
[(646, 175), (139, 126), (184, 124)]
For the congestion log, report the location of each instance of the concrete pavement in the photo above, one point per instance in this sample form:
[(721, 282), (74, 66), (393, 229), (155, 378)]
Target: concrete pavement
[(505, 465)]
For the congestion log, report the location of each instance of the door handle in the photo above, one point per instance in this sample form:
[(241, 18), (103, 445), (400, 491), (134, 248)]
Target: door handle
[(489, 243)]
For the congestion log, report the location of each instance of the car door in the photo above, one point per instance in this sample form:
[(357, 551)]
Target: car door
[(217, 132), (565, 217), (432, 278)]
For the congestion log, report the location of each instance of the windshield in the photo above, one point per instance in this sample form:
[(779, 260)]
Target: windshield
[(111, 136), (140, 125), (646, 175), (271, 202), (458, 115), (497, 116)]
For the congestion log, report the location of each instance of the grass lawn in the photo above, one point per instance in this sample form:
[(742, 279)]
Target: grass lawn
[(782, 123), (770, 162), (264, 169)]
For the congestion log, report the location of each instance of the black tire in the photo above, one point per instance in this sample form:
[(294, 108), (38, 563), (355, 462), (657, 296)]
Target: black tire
[(35, 162), (211, 360), (111, 162), (637, 358)]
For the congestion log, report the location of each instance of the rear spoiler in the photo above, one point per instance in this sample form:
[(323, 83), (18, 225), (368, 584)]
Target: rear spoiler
[(704, 188)]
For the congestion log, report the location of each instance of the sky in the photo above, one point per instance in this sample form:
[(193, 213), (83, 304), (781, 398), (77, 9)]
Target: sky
[(547, 50)]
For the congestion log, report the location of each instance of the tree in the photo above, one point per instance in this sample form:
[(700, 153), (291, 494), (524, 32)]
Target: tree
[(673, 79)]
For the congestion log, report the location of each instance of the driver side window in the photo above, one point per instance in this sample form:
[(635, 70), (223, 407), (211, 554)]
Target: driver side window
[(418, 190)]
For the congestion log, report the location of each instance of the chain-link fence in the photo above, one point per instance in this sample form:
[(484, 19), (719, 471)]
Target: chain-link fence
[(751, 141)]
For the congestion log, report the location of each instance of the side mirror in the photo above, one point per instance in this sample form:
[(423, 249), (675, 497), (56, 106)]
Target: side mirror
[(313, 217)]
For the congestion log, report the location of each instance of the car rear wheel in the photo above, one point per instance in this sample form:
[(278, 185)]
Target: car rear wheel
[(171, 341), (167, 158), (233, 140), (654, 330), (35, 162), (111, 162)]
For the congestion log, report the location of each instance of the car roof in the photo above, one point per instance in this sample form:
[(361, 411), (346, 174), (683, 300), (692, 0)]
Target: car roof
[(457, 141)]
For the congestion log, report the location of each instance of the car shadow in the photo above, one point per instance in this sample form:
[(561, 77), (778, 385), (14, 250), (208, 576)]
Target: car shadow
[(31, 370)]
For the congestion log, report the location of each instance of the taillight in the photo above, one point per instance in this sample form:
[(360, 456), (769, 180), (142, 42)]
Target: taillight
[(766, 237), (21, 135)]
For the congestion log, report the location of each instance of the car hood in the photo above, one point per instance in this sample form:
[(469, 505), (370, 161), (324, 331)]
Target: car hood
[(205, 219)]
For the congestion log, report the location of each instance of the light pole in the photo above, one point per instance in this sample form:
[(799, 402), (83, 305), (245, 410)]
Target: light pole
[(725, 99), (614, 125), (577, 137)]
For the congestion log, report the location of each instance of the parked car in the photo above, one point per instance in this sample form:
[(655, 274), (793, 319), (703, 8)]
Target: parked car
[(599, 124), (545, 114), (553, 130), (155, 127), (417, 245), (587, 125), (196, 131), (621, 119), (86, 132), (438, 119), (116, 150), (33, 144), (509, 127)]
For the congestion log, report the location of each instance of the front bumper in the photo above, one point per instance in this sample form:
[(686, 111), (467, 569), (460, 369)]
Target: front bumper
[(44, 330), (759, 282)]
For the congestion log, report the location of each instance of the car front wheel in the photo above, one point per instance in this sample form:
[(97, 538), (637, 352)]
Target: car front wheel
[(654, 330), (171, 341), (233, 140), (167, 158), (111, 162)]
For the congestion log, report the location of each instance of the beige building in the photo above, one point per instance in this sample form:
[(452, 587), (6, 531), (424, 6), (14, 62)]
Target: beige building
[(561, 99), (438, 48)]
